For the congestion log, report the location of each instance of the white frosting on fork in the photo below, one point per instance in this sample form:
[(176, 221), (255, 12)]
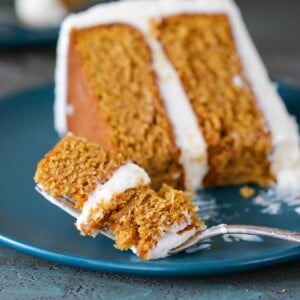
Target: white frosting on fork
[(285, 154), (172, 238), (124, 178)]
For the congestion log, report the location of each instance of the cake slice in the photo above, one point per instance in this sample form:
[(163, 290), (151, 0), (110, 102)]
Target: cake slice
[(104, 190), (178, 87)]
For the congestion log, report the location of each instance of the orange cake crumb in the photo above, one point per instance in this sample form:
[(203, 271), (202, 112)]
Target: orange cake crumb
[(247, 191)]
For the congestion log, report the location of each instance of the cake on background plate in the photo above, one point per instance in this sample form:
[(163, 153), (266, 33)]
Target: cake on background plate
[(47, 13), (177, 87), (104, 190)]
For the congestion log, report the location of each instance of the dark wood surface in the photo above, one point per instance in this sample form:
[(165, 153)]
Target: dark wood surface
[(275, 28)]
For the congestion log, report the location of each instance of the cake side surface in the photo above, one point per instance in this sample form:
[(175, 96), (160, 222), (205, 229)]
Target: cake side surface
[(202, 49), (117, 62), (83, 117)]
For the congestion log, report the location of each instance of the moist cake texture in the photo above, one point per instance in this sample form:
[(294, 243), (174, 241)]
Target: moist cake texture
[(80, 167), (145, 216), (105, 191), (178, 87), (201, 47)]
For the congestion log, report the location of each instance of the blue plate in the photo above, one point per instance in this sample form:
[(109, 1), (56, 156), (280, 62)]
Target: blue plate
[(32, 225)]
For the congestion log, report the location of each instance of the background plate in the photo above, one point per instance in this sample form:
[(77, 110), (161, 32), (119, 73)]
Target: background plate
[(13, 34), (17, 35), (30, 224)]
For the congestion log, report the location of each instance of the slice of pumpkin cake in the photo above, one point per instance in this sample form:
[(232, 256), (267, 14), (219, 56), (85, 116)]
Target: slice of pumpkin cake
[(105, 191), (178, 87)]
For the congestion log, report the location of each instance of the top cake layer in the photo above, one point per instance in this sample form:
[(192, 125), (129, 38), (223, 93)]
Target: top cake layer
[(228, 125)]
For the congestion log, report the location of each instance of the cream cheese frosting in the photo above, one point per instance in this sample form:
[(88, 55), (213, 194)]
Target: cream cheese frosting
[(283, 128), (174, 236)]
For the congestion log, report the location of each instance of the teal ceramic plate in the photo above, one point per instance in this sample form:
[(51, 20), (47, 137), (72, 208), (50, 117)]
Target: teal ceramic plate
[(32, 225)]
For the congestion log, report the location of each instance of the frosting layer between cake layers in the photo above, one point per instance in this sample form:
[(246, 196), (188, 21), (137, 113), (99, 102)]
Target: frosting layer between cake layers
[(285, 153)]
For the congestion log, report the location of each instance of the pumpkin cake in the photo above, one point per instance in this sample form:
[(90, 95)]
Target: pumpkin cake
[(104, 190), (178, 87)]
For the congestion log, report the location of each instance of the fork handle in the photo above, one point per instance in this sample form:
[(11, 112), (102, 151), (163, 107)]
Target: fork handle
[(239, 229), (252, 230)]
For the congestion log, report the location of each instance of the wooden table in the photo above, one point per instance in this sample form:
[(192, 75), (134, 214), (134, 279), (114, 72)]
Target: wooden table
[(275, 27)]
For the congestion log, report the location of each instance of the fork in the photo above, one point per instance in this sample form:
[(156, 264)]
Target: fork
[(238, 229), (68, 206)]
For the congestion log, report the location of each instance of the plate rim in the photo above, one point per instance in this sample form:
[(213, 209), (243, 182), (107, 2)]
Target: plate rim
[(152, 267)]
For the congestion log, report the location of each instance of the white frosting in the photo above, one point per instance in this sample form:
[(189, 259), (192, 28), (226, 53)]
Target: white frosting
[(238, 81), (125, 177), (189, 139), (40, 13), (172, 239), (289, 177), (188, 135)]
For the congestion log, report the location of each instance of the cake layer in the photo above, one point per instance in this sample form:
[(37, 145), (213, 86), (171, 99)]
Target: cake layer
[(113, 63), (202, 49)]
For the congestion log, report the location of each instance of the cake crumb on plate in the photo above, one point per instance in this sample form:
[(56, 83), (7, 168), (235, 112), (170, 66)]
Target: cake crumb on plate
[(247, 192)]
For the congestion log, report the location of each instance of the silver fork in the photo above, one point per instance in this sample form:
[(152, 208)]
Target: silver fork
[(238, 229), (68, 206)]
